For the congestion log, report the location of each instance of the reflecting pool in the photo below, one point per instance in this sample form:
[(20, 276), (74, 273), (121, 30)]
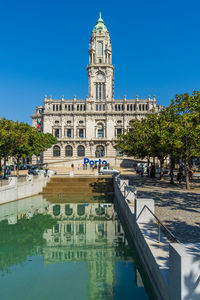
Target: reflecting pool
[(63, 250)]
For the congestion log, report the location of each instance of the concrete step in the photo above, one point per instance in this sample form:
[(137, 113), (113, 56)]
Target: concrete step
[(78, 186)]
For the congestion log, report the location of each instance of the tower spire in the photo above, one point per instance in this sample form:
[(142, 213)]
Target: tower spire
[(100, 15)]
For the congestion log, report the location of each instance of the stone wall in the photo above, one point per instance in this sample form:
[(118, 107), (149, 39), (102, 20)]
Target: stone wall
[(15, 190)]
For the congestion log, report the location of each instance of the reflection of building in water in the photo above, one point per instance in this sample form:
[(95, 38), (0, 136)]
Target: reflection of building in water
[(25, 207), (86, 233)]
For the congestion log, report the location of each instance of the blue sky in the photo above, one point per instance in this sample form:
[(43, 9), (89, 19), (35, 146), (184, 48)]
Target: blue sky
[(44, 49)]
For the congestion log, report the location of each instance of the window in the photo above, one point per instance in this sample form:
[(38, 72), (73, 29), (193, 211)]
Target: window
[(100, 48), (81, 122), (97, 91), (81, 228), (104, 107), (100, 130), (119, 131), (104, 91), (100, 91), (56, 151), (81, 133), (69, 228), (100, 133), (57, 133), (81, 150), (100, 61), (56, 122), (68, 122), (97, 107), (68, 151), (69, 133)]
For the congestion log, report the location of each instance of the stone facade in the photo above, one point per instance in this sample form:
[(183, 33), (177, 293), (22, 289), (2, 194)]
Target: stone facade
[(89, 127)]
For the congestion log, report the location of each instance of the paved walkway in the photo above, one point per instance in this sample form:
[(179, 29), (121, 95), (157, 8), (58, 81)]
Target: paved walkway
[(176, 207)]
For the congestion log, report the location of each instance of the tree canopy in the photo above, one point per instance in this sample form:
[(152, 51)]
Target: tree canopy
[(174, 132), (19, 140)]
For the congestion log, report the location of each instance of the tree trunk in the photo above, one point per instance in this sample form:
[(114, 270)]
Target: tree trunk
[(172, 163), (187, 179), (0, 167), (161, 168), (17, 166), (4, 175)]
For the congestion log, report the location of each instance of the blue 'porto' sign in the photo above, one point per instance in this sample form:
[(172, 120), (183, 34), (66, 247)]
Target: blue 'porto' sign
[(95, 162)]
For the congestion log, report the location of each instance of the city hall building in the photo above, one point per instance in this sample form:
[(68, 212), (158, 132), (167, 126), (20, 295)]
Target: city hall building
[(89, 127)]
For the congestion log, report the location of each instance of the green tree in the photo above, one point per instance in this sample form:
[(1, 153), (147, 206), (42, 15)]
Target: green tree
[(7, 140), (19, 139), (187, 117)]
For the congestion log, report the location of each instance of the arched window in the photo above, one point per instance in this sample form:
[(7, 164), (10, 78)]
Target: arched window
[(81, 150), (100, 48), (68, 151), (56, 151), (100, 152)]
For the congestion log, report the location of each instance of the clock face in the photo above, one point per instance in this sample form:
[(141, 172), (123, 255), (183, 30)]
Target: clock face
[(100, 76)]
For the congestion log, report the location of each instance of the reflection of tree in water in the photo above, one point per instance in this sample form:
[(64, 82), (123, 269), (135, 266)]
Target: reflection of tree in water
[(21, 240)]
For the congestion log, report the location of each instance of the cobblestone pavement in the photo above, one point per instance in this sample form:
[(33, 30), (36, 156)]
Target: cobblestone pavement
[(176, 207)]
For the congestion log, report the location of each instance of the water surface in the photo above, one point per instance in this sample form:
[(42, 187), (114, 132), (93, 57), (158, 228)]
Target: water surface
[(51, 250)]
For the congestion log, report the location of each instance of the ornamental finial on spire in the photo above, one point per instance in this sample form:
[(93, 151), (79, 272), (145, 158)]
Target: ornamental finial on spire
[(100, 24)]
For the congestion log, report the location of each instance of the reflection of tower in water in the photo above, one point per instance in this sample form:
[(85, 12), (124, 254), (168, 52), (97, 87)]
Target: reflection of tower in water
[(85, 233)]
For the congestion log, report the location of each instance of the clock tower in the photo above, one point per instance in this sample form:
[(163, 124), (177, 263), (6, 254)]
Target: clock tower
[(100, 69)]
